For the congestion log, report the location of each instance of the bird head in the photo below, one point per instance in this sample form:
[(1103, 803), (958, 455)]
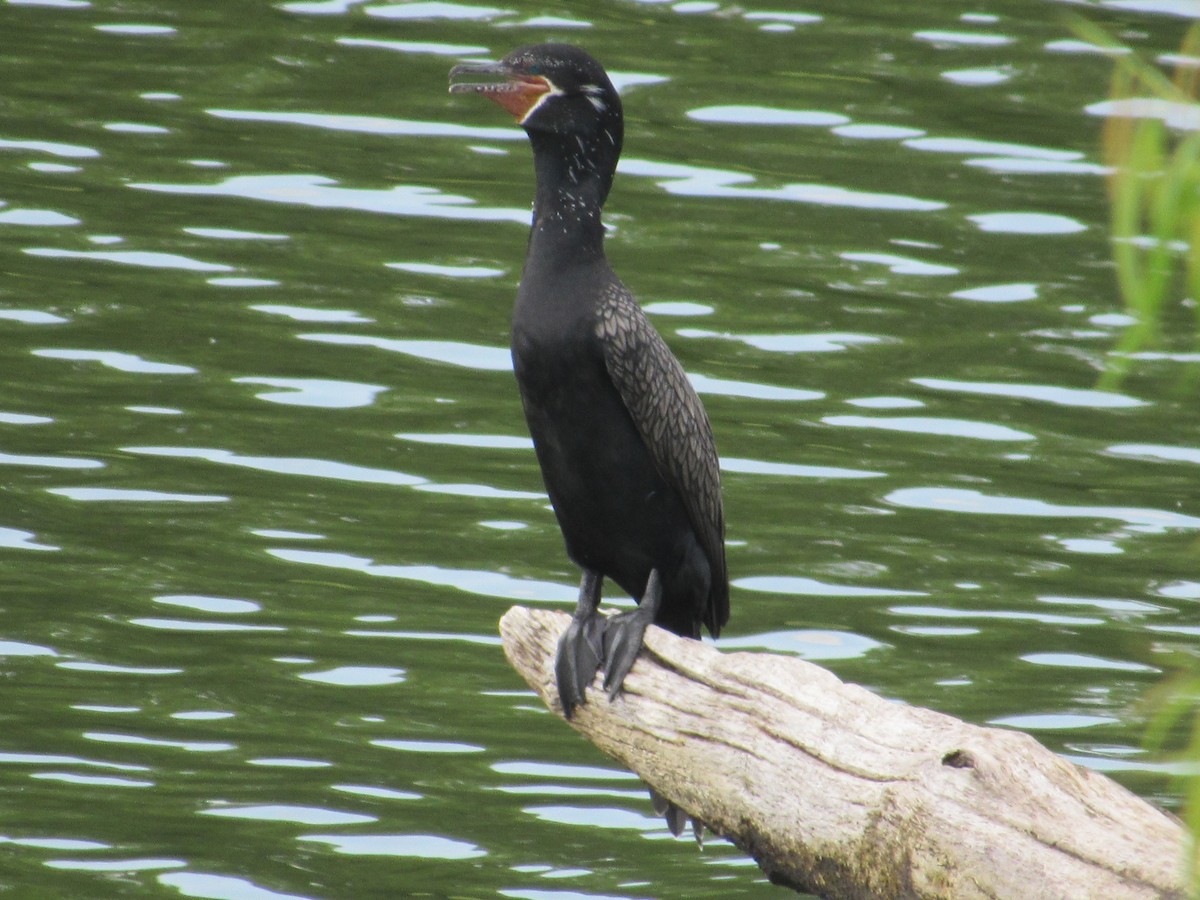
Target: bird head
[(550, 88)]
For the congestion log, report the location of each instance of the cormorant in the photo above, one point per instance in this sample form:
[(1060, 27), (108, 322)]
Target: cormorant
[(626, 450)]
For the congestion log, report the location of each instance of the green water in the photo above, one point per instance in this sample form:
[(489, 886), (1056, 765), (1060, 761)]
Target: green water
[(266, 485)]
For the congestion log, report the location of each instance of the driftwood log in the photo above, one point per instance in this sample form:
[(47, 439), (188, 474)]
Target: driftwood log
[(841, 793)]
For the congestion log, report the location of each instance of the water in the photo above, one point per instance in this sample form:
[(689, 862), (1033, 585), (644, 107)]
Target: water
[(267, 488)]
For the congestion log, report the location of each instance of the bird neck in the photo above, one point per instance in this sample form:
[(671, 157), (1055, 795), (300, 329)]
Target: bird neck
[(573, 180)]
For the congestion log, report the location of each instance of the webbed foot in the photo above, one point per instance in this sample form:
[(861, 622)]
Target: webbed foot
[(580, 650), (624, 633)]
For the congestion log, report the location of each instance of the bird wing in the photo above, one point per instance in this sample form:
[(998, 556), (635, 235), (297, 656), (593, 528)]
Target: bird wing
[(671, 421)]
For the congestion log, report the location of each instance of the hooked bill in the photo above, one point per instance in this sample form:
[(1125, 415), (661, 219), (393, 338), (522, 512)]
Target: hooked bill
[(520, 94)]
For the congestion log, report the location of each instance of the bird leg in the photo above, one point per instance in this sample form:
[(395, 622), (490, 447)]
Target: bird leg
[(623, 635), (581, 647)]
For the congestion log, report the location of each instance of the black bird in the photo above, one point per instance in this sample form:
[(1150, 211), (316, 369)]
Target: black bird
[(625, 447)]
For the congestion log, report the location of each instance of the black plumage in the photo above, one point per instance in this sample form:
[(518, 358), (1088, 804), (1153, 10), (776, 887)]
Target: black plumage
[(626, 450)]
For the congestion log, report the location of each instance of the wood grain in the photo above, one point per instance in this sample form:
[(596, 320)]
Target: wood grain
[(836, 791)]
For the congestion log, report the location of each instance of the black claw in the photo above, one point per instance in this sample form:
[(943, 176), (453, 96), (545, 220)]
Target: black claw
[(677, 820), (658, 802), (675, 817)]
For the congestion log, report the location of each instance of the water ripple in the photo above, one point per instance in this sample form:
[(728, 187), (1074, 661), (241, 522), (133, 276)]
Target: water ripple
[(122, 362), (419, 846), (977, 77), (148, 864), (1027, 223), (999, 293), (283, 465), (792, 470), (471, 581), (357, 676), (940, 612), (285, 812), (1120, 606), (452, 747), (751, 390), (974, 146), (963, 38), (485, 441), (1068, 45), (49, 462), (867, 131), (37, 218), (1059, 396), (365, 790), (1010, 165), (135, 128), (323, 393), (766, 115), (323, 193), (207, 627), (1147, 521), (569, 790), (561, 770), (19, 648), (142, 258), (423, 268), (110, 669), (696, 181), (1085, 661), (321, 7), (884, 402), (54, 759), (1177, 115), (224, 887), (828, 342), (105, 781), (806, 643), (483, 640), (133, 495), (217, 605), (551, 22), (811, 587), (456, 353), (965, 428), (16, 539), (32, 317), (480, 491), (309, 314), (1052, 721), (136, 29), (901, 265), (794, 18), (435, 10), (1183, 9), (67, 151), (105, 737), (595, 817), (372, 125), (1158, 452), (433, 47)]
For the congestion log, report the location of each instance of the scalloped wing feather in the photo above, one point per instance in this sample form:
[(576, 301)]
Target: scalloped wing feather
[(672, 422)]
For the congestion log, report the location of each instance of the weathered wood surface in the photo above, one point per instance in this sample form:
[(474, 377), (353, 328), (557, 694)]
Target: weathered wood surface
[(836, 791)]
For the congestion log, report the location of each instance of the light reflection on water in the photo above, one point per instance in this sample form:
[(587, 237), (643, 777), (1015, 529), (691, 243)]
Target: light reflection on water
[(321, 193), (271, 594)]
